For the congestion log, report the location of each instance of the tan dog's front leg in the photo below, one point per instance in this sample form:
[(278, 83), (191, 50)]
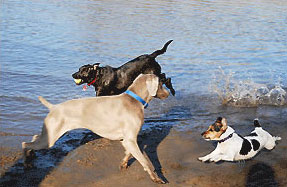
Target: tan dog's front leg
[(132, 147)]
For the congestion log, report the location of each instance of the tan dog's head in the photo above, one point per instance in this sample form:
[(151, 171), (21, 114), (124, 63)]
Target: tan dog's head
[(153, 85), (215, 130)]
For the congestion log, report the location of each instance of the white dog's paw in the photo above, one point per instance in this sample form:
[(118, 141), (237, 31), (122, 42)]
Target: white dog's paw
[(216, 158), (202, 159)]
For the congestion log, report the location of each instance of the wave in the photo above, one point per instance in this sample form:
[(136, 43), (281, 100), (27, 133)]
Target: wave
[(22, 99), (246, 93)]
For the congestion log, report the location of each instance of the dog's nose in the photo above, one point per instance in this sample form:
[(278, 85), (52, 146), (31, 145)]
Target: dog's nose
[(74, 75), (202, 133)]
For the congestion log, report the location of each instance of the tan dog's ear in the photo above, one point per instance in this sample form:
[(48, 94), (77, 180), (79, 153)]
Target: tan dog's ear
[(224, 123), (152, 85)]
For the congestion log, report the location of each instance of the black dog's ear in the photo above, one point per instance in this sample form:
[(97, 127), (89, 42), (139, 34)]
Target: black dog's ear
[(219, 119), (96, 65)]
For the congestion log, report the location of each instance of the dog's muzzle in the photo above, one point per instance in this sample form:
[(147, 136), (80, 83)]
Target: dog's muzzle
[(204, 137)]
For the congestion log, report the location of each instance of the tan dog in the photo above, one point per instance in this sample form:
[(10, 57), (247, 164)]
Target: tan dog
[(117, 117)]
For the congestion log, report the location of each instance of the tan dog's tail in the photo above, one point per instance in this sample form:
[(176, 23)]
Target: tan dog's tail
[(45, 102)]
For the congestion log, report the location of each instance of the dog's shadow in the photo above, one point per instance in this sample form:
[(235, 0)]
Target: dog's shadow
[(148, 142), (261, 174), (47, 159), (150, 139)]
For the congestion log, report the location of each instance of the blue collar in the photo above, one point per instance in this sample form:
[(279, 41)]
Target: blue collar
[(132, 94)]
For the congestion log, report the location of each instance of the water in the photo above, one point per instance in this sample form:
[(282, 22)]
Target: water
[(246, 93), (226, 56)]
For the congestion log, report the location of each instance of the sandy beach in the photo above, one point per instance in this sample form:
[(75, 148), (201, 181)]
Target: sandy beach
[(94, 161)]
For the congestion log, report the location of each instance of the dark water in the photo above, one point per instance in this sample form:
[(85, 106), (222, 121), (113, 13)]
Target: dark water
[(231, 52)]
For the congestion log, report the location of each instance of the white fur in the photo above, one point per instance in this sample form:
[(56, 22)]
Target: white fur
[(229, 150)]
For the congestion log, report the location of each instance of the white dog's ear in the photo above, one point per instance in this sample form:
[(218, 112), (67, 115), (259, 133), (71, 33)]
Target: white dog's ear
[(152, 85), (224, 122)]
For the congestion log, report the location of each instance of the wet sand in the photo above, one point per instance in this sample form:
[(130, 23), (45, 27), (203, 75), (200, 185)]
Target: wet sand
[(94, 161)]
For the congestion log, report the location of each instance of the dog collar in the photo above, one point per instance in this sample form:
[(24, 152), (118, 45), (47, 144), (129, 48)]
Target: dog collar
[(132, 94), (226, 138), (89, 84), (92, 82)]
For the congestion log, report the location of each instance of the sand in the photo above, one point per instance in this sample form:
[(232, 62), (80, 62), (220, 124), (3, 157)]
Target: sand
[(94, 161)]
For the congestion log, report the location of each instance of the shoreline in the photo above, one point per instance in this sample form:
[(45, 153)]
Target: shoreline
[(89, 160)]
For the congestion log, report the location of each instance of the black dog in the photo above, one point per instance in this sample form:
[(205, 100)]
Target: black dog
[(113, 81)]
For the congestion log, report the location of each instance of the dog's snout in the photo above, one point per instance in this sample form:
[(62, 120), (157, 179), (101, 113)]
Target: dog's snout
[(75, 75), (162, 94), (202, 133)]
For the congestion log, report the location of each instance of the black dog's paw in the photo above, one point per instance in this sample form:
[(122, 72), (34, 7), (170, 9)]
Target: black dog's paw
[(172, 92), (169, 86)]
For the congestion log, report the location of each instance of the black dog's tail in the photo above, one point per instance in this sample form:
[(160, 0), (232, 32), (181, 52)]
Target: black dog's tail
[(161, 51), (256, 123)]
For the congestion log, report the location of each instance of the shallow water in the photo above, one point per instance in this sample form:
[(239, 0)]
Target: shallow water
[(221, 52)]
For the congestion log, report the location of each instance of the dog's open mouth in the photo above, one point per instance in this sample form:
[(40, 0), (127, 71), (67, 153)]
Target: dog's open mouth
[(206, 138), (211, 139), (78, 81)]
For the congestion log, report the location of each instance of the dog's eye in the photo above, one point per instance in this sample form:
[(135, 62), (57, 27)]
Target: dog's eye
[(217, 129), (211, 130)]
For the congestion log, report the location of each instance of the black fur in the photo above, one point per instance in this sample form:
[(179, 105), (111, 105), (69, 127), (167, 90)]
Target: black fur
[(256, 123), (217, 127), (255, 144), (246, 147), (113, 81), (218, 120), (253, 134)]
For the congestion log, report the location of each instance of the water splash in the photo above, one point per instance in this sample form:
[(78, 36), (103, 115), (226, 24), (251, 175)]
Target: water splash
[(246, 93)]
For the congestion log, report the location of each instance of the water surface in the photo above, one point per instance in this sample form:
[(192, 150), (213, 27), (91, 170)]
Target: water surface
[(218, 48)]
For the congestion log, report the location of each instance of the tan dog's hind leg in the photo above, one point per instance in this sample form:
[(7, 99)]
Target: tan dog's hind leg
[(124, 164), (38, 141), (47, 138), (131, 146)]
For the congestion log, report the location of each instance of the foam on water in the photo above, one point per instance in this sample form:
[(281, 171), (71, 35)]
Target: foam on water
[(246, 93)]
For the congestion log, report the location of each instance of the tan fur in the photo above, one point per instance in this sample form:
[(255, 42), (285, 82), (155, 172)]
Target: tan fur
[(212, 134), (117, 117)]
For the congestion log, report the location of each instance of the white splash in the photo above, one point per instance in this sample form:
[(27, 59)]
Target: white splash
[(246, 93)]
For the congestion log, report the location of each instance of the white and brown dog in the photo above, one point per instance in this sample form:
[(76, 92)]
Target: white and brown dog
[(232, 146)]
